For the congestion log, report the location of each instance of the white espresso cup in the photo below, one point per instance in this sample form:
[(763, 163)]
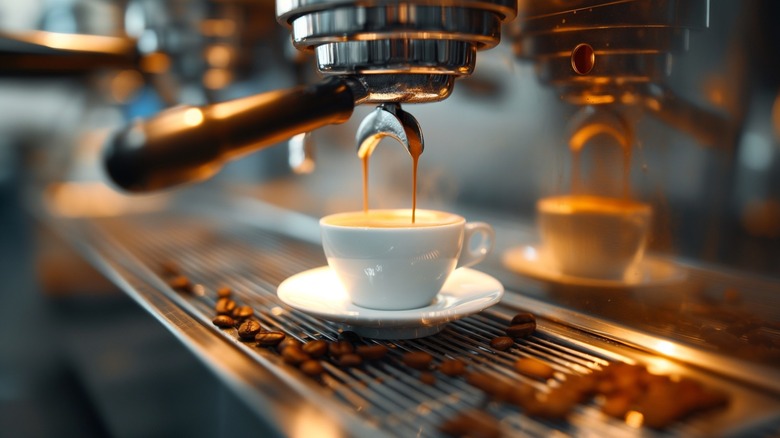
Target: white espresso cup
[(593, 237), (386, 262)]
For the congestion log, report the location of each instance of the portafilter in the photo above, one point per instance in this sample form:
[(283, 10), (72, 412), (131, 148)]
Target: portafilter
[(369, 51)]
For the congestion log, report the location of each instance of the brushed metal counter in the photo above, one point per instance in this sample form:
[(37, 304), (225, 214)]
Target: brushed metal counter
[(252, 247)]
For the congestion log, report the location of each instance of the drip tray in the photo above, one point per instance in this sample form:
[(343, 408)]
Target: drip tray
[(221, 248)]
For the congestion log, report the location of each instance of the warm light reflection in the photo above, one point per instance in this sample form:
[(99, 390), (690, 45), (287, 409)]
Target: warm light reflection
[(661, 366), (666, 348), (156, 63), (776, 118), (193, 117), (311, 422), (65, 41), (125, 84), (219, 55), (217, 78), (635, 419), (92, 199), (589, 131), (220, 28)]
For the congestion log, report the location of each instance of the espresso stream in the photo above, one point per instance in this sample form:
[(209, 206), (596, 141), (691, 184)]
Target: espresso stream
[(415, 150)]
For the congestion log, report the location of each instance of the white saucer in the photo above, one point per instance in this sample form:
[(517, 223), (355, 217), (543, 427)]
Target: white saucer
[(318, 292), (651, 271)]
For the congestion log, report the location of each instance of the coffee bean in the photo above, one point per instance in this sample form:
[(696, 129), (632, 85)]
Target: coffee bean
[(294, 355), (312, 368), (223, 321), (224, 292), (502, 343), (453, 367), (371, 352), (522, 318), (243, 312), (428, 378), (556, 404), (288, 342), (472, 423), (341, 348), (349, 336), (225, 306), (534, 368), (248, 329), (269, 339), (521, 330), (418, 360), (349, 360), (316, 348), (180, 283), (169, 267), (491, 386)]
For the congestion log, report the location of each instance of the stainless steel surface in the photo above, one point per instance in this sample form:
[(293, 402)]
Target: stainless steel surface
[(388, 120), (407, 38), (635, 45), (220, 244)]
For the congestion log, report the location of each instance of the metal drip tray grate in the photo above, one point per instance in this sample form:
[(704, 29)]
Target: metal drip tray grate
[(384, 395)]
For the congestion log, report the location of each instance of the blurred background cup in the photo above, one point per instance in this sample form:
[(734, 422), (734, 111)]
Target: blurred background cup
[(386, 262), (592, 236)]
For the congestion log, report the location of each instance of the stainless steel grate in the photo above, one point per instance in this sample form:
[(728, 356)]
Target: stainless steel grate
[(385, 394)]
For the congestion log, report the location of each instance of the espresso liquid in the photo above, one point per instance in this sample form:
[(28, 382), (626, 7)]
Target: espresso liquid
[(578, 186), (415, 150)]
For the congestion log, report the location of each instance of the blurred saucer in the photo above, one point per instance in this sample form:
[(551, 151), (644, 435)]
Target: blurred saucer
[(528, 260), (319, 293)]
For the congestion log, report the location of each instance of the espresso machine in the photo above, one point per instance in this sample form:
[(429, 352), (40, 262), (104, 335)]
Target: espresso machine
[(156, 199)]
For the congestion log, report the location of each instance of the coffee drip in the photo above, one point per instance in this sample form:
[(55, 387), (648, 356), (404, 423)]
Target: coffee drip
[(588, 126), (389, 120)]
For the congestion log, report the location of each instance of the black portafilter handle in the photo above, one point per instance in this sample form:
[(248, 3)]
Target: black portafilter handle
[(187, 144)]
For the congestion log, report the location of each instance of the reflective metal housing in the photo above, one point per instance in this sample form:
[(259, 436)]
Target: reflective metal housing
[(409, 51), (633, 42)]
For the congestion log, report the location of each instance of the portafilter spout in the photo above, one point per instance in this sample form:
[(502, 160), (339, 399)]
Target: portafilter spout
[(389, 120)]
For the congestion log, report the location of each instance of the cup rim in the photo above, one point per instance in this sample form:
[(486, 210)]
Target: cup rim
[(456, 219), (608, 204)]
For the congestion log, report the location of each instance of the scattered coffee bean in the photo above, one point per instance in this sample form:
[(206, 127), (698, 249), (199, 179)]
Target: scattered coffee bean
[(502, 343), (243, 312), (418, 360), (534, 368), (617, 404), (248, 329), (180, 283), (371, 352), (294, 355), (497, 390), (225, 306), (428, 378), (269, 339), (169, 267), (349, 360), (224, 292), (288, 342), (312, 368), (340, 348), (223, 321), (349, 336), (316, 348), (556, 404), (523, 318), (453, 367), (472, 423), (521, 330)]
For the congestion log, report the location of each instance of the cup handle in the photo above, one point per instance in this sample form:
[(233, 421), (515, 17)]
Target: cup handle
[(474, 252)]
